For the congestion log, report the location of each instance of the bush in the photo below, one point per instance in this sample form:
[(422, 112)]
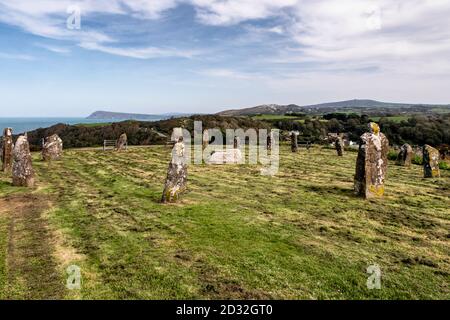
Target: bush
[(392, 155), (444, 165), (417, 160)]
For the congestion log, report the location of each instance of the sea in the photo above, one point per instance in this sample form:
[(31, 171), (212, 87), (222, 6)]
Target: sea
[(21, 125)]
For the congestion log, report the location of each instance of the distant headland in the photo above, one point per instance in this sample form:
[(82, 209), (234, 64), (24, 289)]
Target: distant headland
[(126, 116)]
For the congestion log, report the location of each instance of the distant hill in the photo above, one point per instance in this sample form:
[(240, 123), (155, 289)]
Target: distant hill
[(129, 116), (138, 132), (340, 106)]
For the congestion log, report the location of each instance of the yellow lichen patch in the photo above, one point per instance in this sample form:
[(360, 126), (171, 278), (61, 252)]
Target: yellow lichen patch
[(436, 173), (377, 191), (375, 127)]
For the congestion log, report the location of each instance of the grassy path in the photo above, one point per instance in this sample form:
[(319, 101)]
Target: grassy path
[(235, 234)]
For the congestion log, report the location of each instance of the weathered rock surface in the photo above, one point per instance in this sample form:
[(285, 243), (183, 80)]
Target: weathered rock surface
[(294, 142), (176, 134), (205, 139), (53, 148), (176, 179), (22, 171), (7, 150), (431, 162), (236, 142), (229, 156), (269, 141), (122, 142), (339, 145), (405, 155), (338, 141), (371, 164)]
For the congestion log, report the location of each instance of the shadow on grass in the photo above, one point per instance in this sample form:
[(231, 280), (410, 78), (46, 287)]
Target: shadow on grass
[(5, 187), (341, 191)]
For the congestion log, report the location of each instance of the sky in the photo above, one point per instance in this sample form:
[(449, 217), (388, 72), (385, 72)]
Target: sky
[(70, 58)]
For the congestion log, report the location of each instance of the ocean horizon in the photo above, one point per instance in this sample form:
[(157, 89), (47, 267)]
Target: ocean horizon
[(24, 124)]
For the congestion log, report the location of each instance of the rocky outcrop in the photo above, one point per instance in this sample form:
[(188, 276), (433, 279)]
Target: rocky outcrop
[(7, 150), (405, 155), (22, 171), (431, 162), (371, 164), (53, 148), (176, 179)]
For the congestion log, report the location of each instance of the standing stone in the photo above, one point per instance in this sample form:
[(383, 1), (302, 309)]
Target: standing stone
[(371, 164), (122, 142), (53, 148), (339, 145), (338, 142), (176, 134), (294, 142), (236, 143), (205, 141), (22, 171), (269, 141), (431, 162), (176, 175), (7, 150), (405, 155)]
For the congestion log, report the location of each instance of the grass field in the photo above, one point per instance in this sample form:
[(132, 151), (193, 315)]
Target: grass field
[(235, 234), (392, 118)]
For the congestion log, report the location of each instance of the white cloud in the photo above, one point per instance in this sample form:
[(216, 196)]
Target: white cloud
[(229, 73), (16, 56), (401, 36), (391, 35), (53, 48), (140, 53), (217, 12)]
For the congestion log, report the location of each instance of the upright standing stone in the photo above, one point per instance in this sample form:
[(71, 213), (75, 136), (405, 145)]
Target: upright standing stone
[(7, 150), (431, 162), (22, 171), (405, 155), (269, 141), (339, 145), (53, 148), (205, 140), (236, 143), (338, 142), (176, 179), (371, 164), (176, 134), (122, 142), (294, 142)]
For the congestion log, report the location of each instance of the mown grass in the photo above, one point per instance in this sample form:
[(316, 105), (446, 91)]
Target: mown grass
[(237, 234)]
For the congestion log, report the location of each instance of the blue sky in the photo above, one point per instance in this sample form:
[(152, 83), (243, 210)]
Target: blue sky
[(158, 56)]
